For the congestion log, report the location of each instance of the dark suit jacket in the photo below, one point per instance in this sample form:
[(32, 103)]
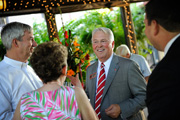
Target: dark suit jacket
[(163, 89), (124, 85)]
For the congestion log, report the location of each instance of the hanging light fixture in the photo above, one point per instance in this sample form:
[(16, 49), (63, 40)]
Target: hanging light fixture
[(2, 4)]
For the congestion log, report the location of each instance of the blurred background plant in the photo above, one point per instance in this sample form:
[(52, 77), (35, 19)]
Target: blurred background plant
[(40, 32), (83, 27), (78, 60), (2, 50), (138, 14)]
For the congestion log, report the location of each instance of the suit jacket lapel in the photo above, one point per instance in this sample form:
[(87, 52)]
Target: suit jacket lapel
[(111, 73), (93, 80)]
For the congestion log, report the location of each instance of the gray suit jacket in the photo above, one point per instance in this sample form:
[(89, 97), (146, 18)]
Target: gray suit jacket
[(125, 85)]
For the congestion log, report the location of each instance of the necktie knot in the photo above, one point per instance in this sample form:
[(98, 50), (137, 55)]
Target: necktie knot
[(102, 65)]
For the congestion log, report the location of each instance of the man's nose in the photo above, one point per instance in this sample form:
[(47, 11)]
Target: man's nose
[(99, 43), (34, 43)]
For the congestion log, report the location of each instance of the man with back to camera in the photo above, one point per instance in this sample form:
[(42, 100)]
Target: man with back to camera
[(162, 27)]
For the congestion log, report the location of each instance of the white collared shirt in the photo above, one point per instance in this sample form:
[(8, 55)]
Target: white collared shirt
[(106, 67), (170, 43), (16, 78)]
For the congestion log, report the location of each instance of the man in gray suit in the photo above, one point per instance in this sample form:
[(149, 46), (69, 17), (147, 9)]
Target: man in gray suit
[(124, 92)]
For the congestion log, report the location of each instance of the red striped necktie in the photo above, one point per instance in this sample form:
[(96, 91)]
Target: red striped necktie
[(100, 88)]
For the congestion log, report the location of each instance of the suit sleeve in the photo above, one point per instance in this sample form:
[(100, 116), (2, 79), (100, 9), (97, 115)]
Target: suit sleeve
[(137, 87), (86, 84)]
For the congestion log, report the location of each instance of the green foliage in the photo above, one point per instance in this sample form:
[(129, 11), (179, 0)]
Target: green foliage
[(40, 32), (2, 50), (138, 14), (138, 18), (84, 26)]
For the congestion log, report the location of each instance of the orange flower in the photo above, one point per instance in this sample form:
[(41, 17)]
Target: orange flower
[(76, 44), (76, 49), (82, 61), (70, 72)]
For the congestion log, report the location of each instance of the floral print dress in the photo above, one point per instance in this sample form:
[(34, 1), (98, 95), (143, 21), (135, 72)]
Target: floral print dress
[(60, 104)]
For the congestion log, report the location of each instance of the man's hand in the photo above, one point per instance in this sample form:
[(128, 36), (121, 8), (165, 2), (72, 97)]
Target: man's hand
[(113, 111)]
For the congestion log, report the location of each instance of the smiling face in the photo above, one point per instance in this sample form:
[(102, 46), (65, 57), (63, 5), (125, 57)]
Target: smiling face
[(102, 45), (27, 45)]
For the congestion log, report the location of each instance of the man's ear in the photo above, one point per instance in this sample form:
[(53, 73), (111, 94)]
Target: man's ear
[(113, 44), (155, 27), (64, 70), (15, 42), (128, 55)]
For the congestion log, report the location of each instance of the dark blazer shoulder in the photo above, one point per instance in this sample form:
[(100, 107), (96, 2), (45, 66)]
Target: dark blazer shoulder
[(163, 85), (174, 49), (171, 58)]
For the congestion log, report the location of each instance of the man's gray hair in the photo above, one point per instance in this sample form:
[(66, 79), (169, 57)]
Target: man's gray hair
[(106, 31), (14, 30)]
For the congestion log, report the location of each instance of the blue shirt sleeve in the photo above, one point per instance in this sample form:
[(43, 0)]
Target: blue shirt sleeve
[(6, 112)]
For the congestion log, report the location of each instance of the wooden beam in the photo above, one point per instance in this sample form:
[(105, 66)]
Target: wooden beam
[(80, 7), (51, 24), (129, 31), (20, 7)]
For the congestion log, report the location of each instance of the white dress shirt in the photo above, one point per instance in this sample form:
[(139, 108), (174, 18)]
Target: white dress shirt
[(16, 78), (106, 67)]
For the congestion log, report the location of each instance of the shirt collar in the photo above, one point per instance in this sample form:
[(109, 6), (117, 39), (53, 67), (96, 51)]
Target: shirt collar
[(107, 62), (170, 43), (14, 63)]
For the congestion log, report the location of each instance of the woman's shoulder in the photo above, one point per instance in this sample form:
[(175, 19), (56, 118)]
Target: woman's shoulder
[(28, 93), (68, 88)]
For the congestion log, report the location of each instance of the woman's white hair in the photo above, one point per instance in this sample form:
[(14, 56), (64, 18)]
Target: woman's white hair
[(122, 50)]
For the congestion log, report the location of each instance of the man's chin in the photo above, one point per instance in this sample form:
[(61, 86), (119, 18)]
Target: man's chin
[(101, 58)]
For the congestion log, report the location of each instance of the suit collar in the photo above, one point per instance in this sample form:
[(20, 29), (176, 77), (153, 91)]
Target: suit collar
[(107, 62), (173, 48), (171, 54), (170, 43)]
